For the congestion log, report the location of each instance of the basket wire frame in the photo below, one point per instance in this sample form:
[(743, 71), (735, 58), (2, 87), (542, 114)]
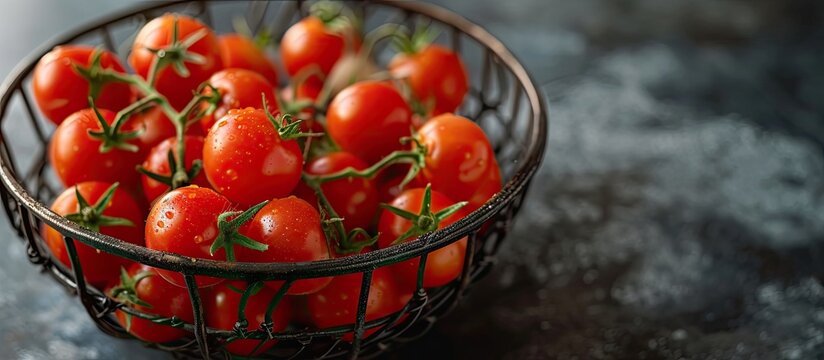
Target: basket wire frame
[(502, 98)]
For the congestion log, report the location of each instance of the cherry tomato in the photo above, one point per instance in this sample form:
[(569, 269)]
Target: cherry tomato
[(157, 34), (309, 42), (98, 267), (155, 127), (60, 90), (158, 163), (76, 157), (488, 188), (337, 304), (459, 155), (368, 119), (221, 303), (291, 228), (436, 76), (239, 88), (354, 199), (238, 51), (442, 265), (184, 222), (246, 160), (163, 300)]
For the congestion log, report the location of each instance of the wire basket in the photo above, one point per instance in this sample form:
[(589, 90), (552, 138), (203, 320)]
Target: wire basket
[(502, 99)]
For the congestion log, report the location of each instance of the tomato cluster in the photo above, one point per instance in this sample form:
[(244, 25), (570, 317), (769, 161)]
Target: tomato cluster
[(199, 153)]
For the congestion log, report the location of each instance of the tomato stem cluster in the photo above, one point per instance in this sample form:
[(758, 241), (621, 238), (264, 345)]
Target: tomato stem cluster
[(91, 216), (229, 236), (424, 221), (126, 292)]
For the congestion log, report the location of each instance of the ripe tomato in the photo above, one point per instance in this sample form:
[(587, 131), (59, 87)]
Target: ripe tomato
[(239, 88), (76, 156), (337, 303), (354, 199), (367, 119), (459, 155), (157, 34), (238, 51), (221, 303), (442, 265), (184, 222), (309, 42), (436, 76), (60, 90), (246, 160), (158, 163), (154, 127), (488, 188), (158, 297), (291, 228), (98, 267)]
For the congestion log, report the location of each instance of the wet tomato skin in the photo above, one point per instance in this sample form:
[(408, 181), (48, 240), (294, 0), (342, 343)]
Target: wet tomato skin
[(158, 162), (239, 88), (436, 76)]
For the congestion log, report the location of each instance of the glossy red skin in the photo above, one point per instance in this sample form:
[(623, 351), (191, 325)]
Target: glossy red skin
[(238, 51), (76, 157), (442, 265), (239, 88), (60, 91), (166, 300), (155, 127), (459, 155), (309, 42), (246, 160), (434, 74), (184, 222), (157, 34), (337, 304), (368, 119), (158, 163), (487, 190), (354, 199), (99, 268), (389, 181), (222, 303), (291, 228)]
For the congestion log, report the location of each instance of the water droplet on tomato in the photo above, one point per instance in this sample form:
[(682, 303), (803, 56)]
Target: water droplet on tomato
[(160, 224), (169, 215), (232, 174)]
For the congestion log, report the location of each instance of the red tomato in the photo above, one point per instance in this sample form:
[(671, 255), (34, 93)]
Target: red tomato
[(436, 76), (368, 119), (158, 163), (76, 157), (60, 90), (155, 127), (238, 51), (184, 222), (291, 229), (221, 303), (459, 155), (98, 267), (239, 88), (354, 199), (487, 190), (157, 34), (164, 300), (337, 304), (309, 42), (442, 265), (246, 160)]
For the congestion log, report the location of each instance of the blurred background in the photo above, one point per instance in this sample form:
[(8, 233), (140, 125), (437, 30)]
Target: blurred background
[(679, 212)]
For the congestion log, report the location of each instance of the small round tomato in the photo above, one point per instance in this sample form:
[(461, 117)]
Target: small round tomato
[(368, 119), (442, 265), (290, 227), (337, 304), (354, 199), (145, 291), (76, 156), (60, 90), (221, 303), (458, 157), (309, 42), (238, 51), (184, 222), (157, 34), (246, 160), (98, 267), (436, 76), (154, 127), (239, 88), (158, 163)]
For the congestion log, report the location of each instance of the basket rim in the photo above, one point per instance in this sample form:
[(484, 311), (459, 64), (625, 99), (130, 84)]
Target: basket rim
[(534, 153)]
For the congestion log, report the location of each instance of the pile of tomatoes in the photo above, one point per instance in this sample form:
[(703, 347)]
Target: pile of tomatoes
[(199, 153)]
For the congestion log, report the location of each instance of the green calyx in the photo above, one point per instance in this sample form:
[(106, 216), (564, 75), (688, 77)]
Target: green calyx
[(126, 292), (110, 136), (94, 74), (91, 217), (414, 43), (228, 235), (177, 53), (424, 221), (287, 127), (335, 16)]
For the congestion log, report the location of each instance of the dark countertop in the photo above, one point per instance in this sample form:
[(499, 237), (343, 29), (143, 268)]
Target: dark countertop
[(679, 212)]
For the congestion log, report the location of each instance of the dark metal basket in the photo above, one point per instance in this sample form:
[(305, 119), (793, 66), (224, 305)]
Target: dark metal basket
[(502, 99)]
